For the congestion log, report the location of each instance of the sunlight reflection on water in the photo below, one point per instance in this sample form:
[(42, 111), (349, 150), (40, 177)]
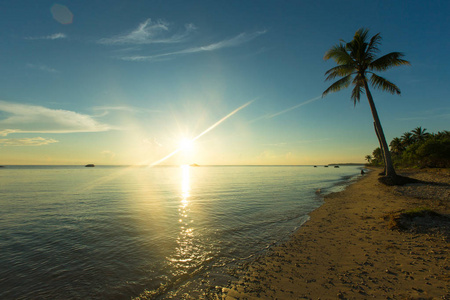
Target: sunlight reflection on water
[(184, 256), (143, 231)]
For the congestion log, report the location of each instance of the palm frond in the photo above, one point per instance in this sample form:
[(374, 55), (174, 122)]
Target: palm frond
[(361, 34), (338, 54), (372, 47), (356, 94), (383, 84), (390, 60), (358, 46), (338, 85), (358, 82), (340, 71), (374, 42)]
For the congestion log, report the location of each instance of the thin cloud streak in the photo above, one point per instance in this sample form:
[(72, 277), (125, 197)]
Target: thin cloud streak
[(37, 141), (149, 32), (444, 116), (108, 154), (293, 107), (413, 118), (124, 108), (42, 67), (38, 119), (297, 142), (151, 142), (270, 116), (429, 114), (8, 131), (55, 36), (232, 42)]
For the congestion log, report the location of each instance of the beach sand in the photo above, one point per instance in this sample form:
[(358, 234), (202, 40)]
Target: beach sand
[(347, 249)]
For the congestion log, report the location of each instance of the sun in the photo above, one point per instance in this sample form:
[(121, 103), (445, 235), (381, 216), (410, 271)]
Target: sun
[(186, 145)]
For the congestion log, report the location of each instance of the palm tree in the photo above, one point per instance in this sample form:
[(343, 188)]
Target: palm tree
[(442, 134), (419, 134), (356, 61), (368, 158), (407, 139), (377, 155), (397, 145)]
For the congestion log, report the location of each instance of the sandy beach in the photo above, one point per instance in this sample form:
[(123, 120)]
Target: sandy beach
[(352, 249)]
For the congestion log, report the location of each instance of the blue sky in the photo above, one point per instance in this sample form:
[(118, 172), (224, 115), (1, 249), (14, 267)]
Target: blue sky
[(124, 82)]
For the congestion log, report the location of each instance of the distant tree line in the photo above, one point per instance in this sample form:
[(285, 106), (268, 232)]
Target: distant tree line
[(417, 148)]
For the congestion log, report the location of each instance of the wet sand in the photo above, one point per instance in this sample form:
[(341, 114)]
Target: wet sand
[(347, 249)]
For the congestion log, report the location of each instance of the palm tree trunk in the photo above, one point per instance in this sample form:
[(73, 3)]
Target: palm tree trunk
[(381, 147), (390, 171)]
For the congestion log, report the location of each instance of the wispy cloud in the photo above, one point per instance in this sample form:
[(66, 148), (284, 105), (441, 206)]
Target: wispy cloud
[(131, 109), (270, 116), (150, 32), (162, 32), (441, 116), (151, 142), (55, 36), (293, 107), (37, 141), (276, 144), (5, 132), (282, 144), (108, 154), (413, 118), (437, 113), (232, 42), (42, 67), (38, 119)]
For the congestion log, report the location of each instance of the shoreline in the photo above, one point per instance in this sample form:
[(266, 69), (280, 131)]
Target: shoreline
[(347, 251)]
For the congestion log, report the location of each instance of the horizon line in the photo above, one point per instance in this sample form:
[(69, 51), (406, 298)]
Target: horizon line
[(178, 165)]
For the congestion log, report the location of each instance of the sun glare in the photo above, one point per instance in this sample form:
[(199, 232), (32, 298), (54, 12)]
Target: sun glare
[(186, 145)]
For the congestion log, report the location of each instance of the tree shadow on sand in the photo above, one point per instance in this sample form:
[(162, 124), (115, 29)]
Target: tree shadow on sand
[(398, 180), (402, 180)]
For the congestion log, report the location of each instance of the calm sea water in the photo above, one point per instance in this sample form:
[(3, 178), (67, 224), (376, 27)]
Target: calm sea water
[(71, 232)]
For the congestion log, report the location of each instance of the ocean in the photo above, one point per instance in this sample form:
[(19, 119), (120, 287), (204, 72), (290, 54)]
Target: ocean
[(70, 232)]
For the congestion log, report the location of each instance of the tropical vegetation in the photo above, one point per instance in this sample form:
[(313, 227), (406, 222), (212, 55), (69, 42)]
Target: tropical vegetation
[(417, 148), (356, 63)]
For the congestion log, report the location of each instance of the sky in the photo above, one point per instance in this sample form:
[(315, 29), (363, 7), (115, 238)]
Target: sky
[(209, 82)]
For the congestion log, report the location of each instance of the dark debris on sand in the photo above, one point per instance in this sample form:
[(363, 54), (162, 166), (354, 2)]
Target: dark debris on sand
[(421, 220)]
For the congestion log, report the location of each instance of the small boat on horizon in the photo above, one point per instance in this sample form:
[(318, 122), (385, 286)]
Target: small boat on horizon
[(90, 165)]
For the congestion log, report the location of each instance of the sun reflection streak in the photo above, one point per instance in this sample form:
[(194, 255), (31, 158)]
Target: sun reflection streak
[(185, 253), (185, 185)]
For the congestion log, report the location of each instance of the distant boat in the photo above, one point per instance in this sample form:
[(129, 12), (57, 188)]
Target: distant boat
[(90, 165), (326, 166), (315, 166), (336, 166)]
